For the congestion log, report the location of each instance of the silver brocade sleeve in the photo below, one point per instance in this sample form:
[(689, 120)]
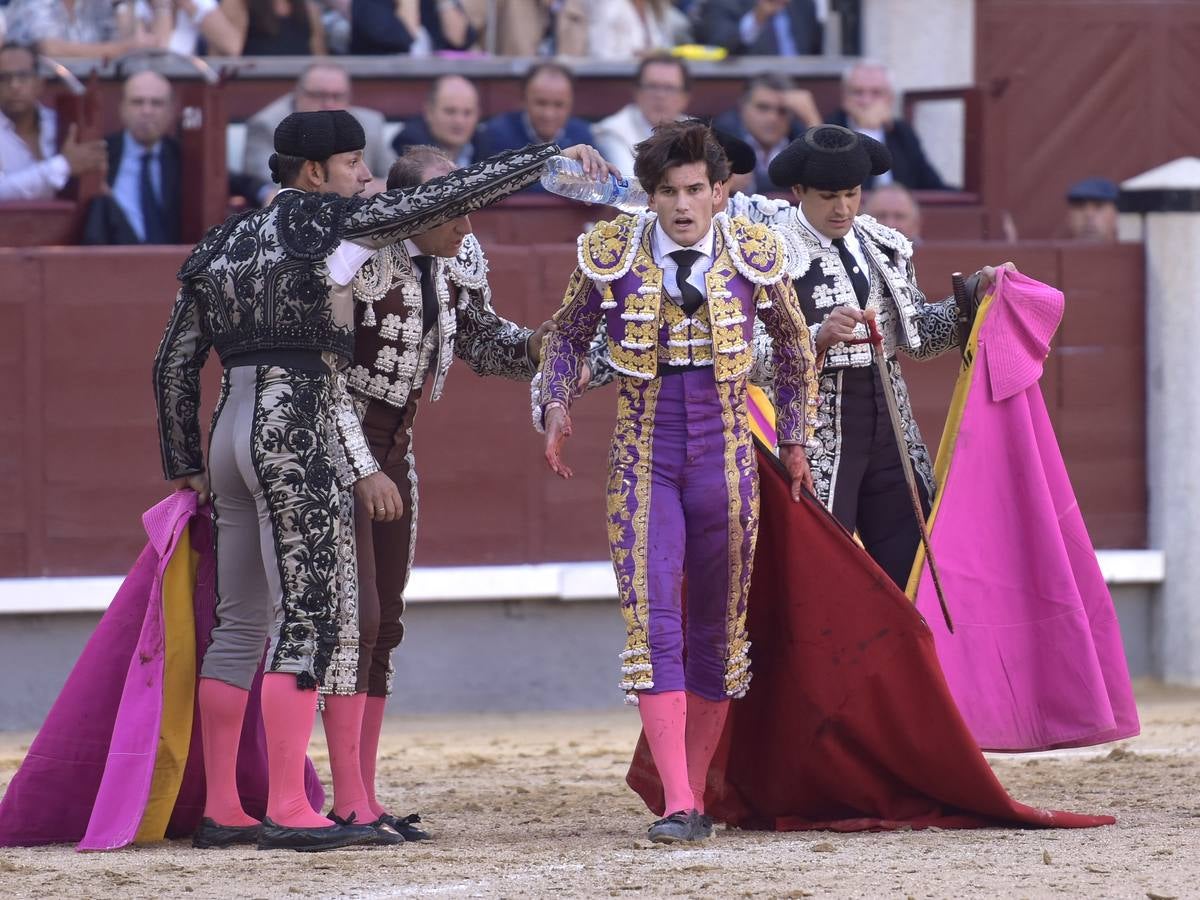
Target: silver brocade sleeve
[(177, 364), (392, 216)]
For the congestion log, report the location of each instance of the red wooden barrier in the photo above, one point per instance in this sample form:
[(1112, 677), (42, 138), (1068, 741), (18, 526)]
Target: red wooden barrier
[(78, 448)]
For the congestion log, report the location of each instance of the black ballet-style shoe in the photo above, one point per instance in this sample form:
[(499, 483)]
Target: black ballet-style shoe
[(385, 834), (676, 828), (312, 840), (407, 826), (209, 835)]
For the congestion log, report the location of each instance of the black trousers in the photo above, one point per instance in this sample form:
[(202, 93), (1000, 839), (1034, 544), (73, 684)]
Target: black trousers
[(869, 491)]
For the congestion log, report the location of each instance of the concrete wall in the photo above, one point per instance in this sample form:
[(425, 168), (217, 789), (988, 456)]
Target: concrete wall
[(457, 656)]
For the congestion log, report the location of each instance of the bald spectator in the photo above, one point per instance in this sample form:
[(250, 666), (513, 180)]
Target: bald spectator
[(760, 27), (145, 171), (450, 122), (549, 95), (869, 107), (323, 85), (30, 166), (660, 94), (1092, 211), (772, 113), (894, 205)]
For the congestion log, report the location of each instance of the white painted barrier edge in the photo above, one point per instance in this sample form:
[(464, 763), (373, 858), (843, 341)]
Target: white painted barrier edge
[(443, 584)]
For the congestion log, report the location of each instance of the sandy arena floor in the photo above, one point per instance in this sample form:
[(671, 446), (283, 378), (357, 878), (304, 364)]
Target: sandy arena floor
[(535, 806)]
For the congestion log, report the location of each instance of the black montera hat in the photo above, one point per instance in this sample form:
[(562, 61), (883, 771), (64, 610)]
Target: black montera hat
[(319, 135), (829, 158), (741, 156)]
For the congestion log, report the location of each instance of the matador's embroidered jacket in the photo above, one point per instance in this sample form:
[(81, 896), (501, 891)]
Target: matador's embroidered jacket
[(261, 282)]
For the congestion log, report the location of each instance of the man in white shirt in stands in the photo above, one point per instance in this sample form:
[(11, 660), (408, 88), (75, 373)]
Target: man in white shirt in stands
[(30, 166), (660, 94)]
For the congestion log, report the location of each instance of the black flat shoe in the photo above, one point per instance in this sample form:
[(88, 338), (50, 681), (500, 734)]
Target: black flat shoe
[(312, 840), (702, 827), (674, 829), (406, 826), (209, 835), (385, 834)]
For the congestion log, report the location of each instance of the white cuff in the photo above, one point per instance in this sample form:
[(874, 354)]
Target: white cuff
[(58, 171), (748, 29)]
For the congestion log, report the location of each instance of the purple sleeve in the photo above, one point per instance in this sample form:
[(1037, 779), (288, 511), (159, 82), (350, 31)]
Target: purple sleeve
[(795, 363), (565, 350)]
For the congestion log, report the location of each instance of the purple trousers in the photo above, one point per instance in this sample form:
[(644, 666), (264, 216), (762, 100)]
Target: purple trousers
[(683, 501)]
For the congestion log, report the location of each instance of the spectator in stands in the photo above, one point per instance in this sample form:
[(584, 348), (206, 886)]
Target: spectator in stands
[(277, 27), (772, 113), (868, 107), (97, 28), (759, 27), (1092, 210), (660, 94), (894, 205), (30, 166), (417, 27), (535, 27), (145, 171), (627, 29), (549, 94), (203, 20), (323, 85), (450, 121)]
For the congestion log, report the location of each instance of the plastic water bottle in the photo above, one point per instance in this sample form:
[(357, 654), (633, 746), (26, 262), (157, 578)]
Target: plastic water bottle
[(565, 177)]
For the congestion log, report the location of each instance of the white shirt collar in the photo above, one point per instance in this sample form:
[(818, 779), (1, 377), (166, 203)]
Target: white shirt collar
[(665, 244)]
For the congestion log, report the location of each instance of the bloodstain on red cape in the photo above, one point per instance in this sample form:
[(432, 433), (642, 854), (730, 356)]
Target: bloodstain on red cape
[(848, 724)]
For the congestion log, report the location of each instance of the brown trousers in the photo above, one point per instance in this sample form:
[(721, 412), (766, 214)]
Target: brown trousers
[(385, 548)]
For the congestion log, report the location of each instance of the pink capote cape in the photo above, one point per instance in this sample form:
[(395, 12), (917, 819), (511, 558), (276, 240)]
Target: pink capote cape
[(121, 744), (1036, 661)]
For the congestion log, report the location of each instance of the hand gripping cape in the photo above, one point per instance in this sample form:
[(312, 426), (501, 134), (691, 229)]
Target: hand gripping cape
[(1036, 660), (848, 724), (118, 759)]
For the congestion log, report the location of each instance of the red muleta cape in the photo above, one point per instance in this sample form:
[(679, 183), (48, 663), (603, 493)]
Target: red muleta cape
[(849, 724)]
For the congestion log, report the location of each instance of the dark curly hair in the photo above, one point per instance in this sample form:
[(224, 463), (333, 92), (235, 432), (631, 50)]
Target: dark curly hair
[(678, 144)]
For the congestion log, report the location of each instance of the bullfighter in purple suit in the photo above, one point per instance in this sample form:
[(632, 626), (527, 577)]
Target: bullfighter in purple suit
[(679, 288)]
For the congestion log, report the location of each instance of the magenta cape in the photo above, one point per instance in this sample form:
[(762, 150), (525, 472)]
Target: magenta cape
[(848, 724), (1036, 660), (118, 758)]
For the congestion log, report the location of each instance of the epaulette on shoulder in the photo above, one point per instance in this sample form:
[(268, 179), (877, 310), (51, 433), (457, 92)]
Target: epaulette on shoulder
[(756, 249), (213, 240), (310, 225), (885, 236), (606, 252), (469, 269)]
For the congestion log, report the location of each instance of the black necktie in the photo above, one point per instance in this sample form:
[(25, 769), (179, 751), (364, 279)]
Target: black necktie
[(691, 298), (429, 299), (152, 213), (858, 278)]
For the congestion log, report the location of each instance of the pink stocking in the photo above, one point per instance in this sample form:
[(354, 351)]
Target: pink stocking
[(705, 723), (343, 726), (664, 719), (222, 707), (372, 726), (288, 716)]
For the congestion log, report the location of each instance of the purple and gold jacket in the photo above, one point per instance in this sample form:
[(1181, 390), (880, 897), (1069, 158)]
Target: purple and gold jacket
[(618, 281)]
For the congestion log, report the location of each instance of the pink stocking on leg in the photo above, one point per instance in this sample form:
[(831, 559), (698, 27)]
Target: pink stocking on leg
[(372, 726), (705, 723), (222, 707), (343, 728), (288, 716), (664, 719)]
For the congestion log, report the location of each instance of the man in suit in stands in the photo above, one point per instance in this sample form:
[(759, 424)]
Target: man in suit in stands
[(772, 113), (868, 107), (145, 172), (323, 85), (549, 92), (760, 27), (450, 122)]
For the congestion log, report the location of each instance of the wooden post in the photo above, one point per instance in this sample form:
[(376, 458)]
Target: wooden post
[(202, 125)]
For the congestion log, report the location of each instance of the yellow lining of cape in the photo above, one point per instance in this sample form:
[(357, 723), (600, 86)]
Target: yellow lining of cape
[(758, 398), (179, 690), (941, 468)]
